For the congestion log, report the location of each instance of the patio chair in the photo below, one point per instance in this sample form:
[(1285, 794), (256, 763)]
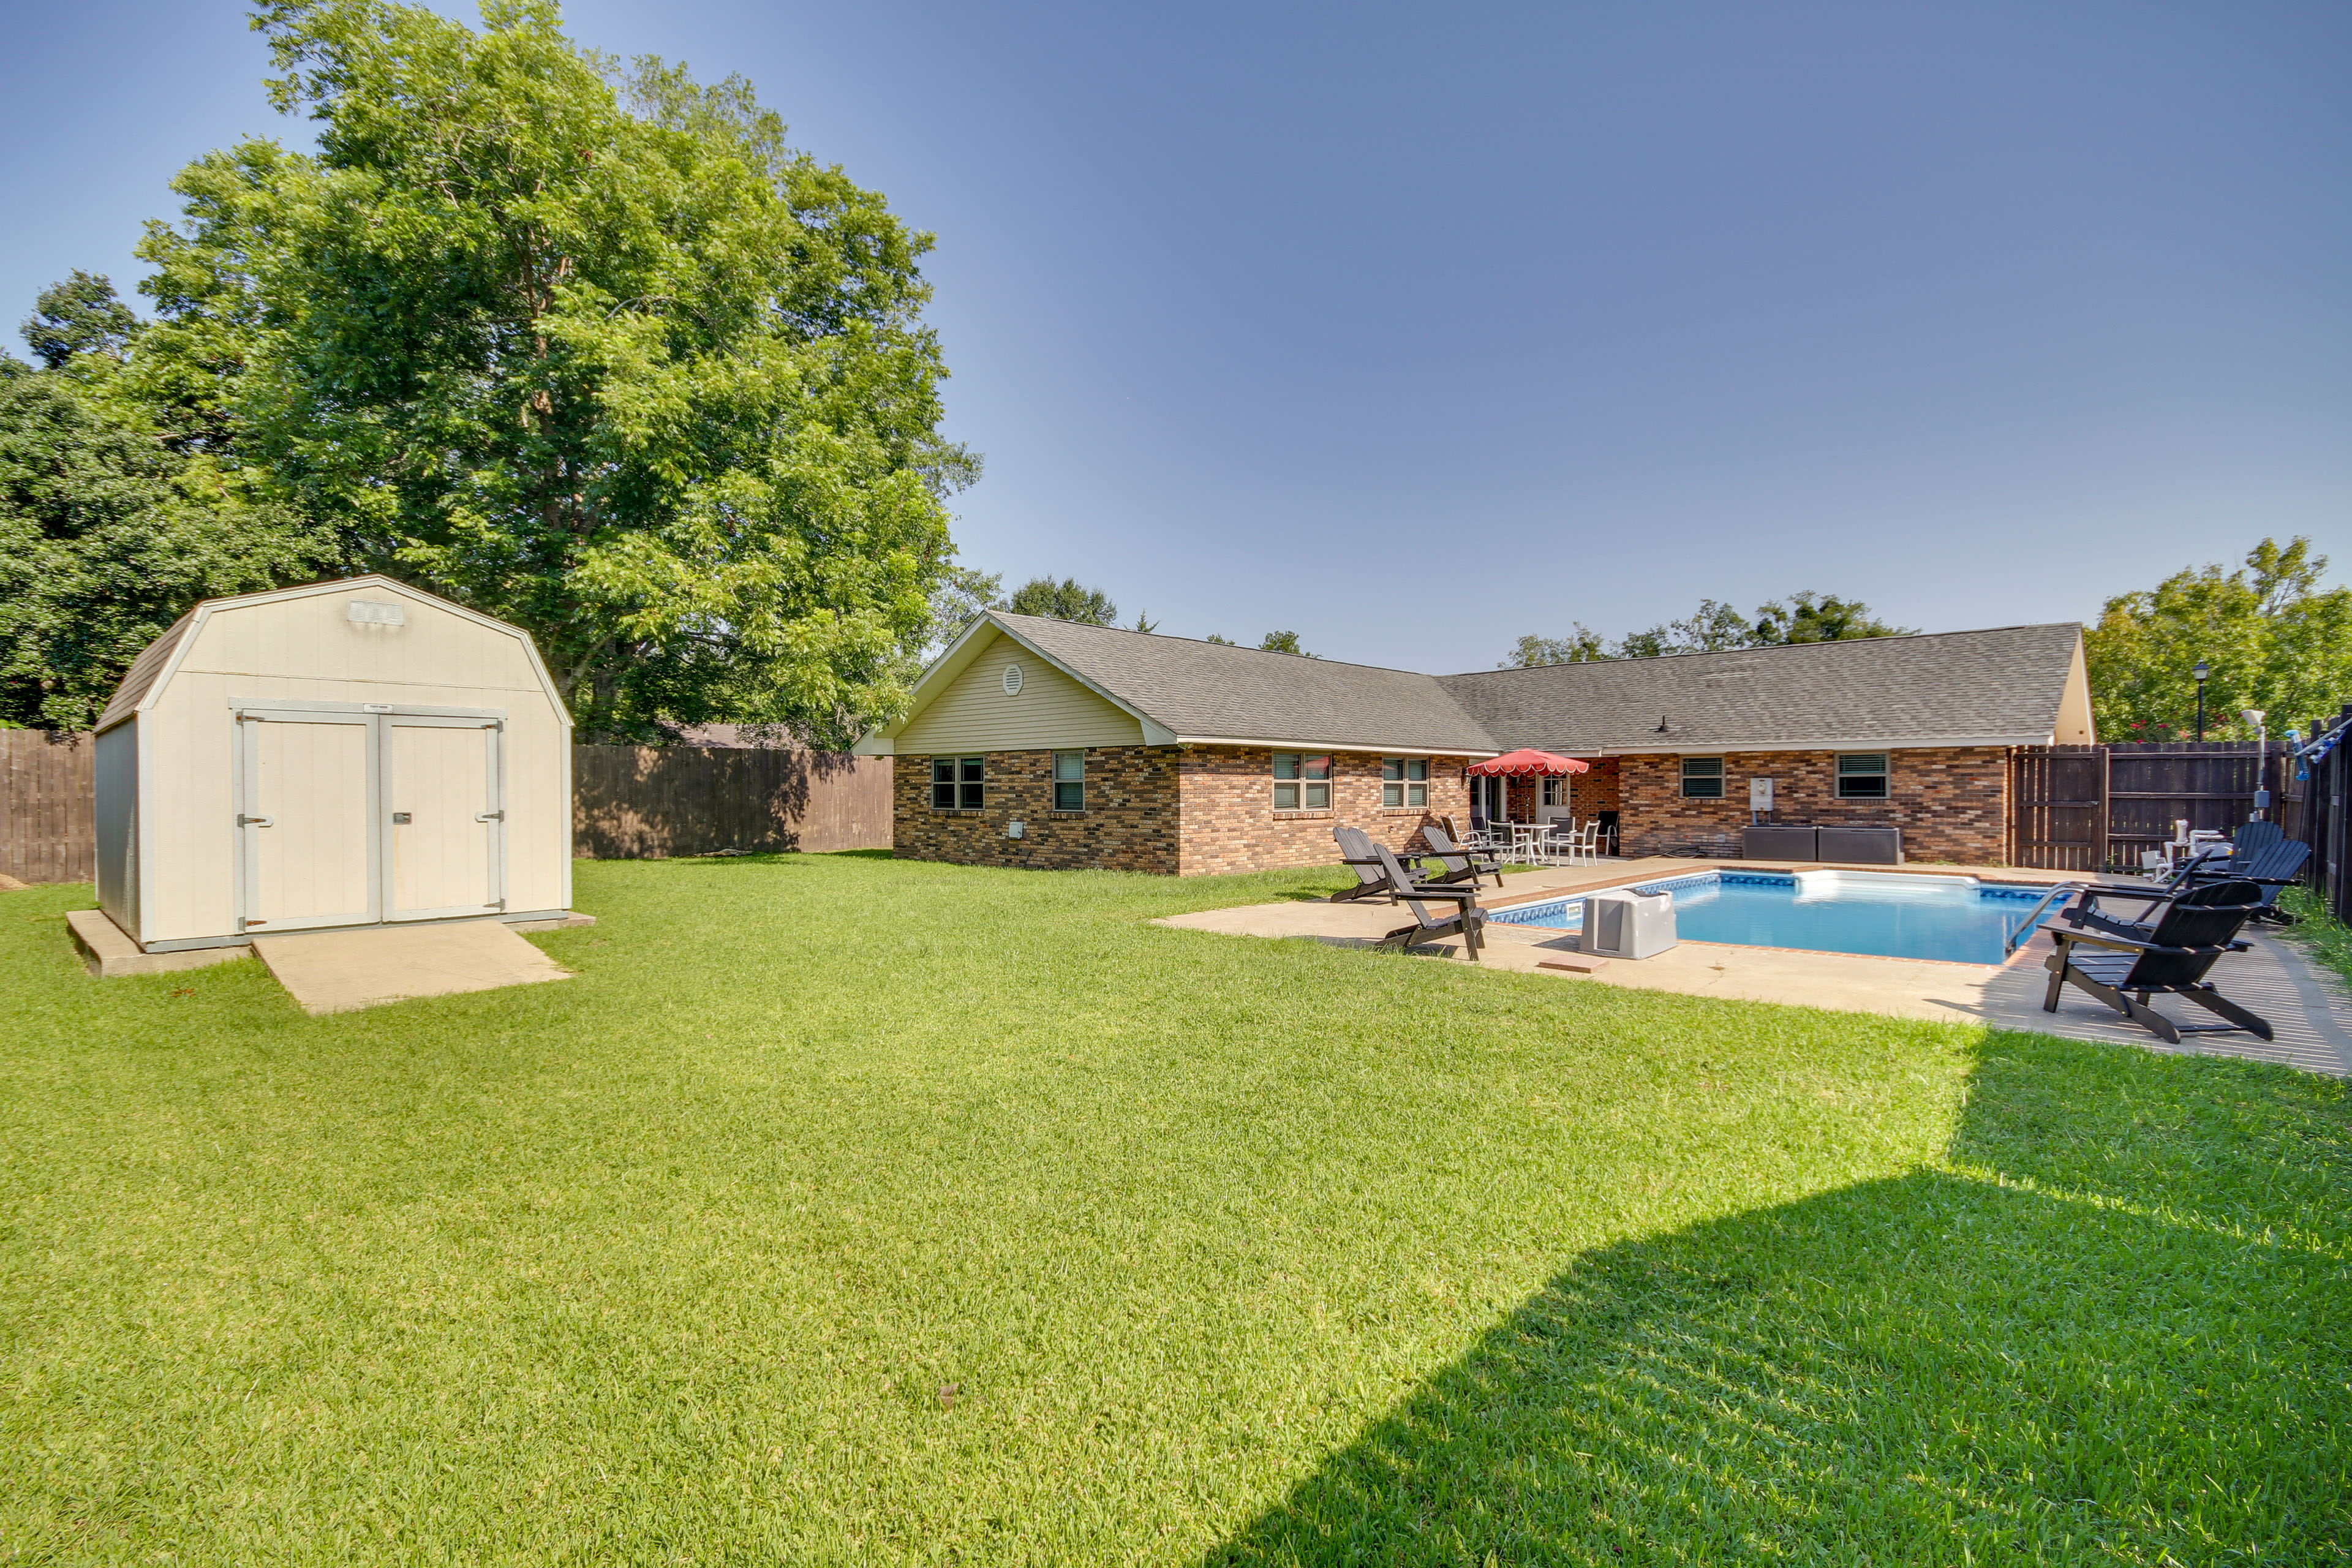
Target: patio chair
[(1461, 863), (1467, 922), (1587, 842), (2253, 836), (2171, 952), (1476, 838), (2272, 868), (1356, 851)]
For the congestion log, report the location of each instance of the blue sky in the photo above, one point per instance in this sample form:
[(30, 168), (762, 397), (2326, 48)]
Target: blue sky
[(1414, 329)]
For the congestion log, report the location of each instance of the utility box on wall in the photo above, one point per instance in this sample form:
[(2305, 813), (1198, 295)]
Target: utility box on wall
[(347, 753), (1759, 794)]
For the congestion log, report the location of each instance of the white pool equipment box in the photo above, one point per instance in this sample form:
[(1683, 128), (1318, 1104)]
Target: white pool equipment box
[(1622, 923)]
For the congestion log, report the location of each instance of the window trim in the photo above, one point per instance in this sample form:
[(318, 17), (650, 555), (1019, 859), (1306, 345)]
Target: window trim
[(1301, 782), (1715, 778), (1077, 781), (1884, 773), (1399, 785), (966, 781)]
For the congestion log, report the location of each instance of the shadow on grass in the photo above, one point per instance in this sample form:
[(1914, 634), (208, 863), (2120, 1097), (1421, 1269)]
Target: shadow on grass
[(2114, 1328)]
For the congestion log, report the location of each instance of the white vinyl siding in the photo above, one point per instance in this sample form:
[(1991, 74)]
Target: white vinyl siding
[(1051, 711)]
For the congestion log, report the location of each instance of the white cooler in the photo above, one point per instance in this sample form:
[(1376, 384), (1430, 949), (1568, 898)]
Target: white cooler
[(1626, 924)]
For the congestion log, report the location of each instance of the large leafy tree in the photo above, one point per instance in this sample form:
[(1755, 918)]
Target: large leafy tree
[(589, 348), (107, 534), (1714, 628), (2271, 637), (1067, 600)]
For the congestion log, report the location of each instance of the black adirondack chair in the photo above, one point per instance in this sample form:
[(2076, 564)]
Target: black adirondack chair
[(2272, 868), (1460, 865), (2253, 836), (1468, 921), (2124, 961), (1356, 851)]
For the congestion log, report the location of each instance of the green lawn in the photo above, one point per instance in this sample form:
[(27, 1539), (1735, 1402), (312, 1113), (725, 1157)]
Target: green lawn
[(853, 1211)]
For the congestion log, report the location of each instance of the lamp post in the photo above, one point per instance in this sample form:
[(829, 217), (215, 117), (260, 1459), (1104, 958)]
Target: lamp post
[(2202, 672)]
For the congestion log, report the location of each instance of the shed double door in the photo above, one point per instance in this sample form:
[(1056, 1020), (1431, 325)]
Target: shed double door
[(352, 817)]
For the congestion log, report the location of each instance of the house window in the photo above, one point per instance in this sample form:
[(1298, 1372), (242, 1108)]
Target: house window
[(1404, 781), (1702, 778), (1069, 781), (1555, 790), (1861, 775), (955, 784), (1302, 782)]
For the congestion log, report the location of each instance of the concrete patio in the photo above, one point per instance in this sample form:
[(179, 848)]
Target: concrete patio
[(2310, 1008)]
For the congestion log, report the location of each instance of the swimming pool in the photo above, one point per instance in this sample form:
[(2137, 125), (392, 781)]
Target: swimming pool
[(1957, 919)]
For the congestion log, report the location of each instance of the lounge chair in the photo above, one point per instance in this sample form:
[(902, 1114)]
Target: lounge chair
[(1356, 851), (1461, 863), (2190, 931), (1467, 922), (2271, 867)]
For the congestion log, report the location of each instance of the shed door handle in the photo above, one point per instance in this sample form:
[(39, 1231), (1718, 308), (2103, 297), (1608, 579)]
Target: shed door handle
[(245, 821), (489, 817), (400, 819)]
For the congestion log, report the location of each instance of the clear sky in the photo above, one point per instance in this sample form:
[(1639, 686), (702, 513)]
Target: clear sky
[(1412, 328)]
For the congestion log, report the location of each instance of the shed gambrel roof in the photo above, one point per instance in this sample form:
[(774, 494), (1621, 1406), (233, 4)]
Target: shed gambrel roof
[(2002, 687), (157, 660)]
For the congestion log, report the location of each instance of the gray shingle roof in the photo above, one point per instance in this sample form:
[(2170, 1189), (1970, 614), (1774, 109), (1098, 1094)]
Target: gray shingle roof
[(1989, 687), (140, 678), (1212, 692)]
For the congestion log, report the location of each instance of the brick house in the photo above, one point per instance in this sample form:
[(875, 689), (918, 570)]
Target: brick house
[(1054, 744)]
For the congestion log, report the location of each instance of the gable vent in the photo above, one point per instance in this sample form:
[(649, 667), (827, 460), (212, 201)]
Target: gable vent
[(1013, 681)]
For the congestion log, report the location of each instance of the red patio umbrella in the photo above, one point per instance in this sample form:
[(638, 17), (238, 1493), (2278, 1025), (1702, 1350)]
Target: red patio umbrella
[(1521, 764)]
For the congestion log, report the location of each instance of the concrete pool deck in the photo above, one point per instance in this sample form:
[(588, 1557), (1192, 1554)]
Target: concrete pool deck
[(2309, 1007)]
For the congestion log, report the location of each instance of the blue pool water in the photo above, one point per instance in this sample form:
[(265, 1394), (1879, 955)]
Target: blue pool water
[(1957, 918)]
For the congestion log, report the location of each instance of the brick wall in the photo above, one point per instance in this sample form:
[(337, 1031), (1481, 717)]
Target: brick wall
[(1951, 803), (1230, 823), (1159, 808), (1130, 824)]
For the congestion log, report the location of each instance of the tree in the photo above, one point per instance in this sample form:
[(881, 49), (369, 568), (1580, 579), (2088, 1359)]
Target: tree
[(592, 351), (1715, 628), (79, 316), (1283, 642), (1064, 601), (1220, 641), (2274, 639), (1819, 617), (107, 536), (1144, 623), (958, 599)]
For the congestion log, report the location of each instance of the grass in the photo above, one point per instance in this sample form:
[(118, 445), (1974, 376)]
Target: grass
[(851, 1211), (2327, 939)]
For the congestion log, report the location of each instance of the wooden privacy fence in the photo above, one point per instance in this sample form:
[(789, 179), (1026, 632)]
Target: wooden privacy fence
[(651, 803), (2099, 809), (2320, 814), (628, 803), (46, 788)]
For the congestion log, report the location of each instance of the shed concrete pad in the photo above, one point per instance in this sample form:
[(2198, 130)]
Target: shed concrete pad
[(109, 952), (340, 971)]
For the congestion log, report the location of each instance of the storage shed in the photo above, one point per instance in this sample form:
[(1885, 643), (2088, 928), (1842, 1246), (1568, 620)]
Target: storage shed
[(345, 753)]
